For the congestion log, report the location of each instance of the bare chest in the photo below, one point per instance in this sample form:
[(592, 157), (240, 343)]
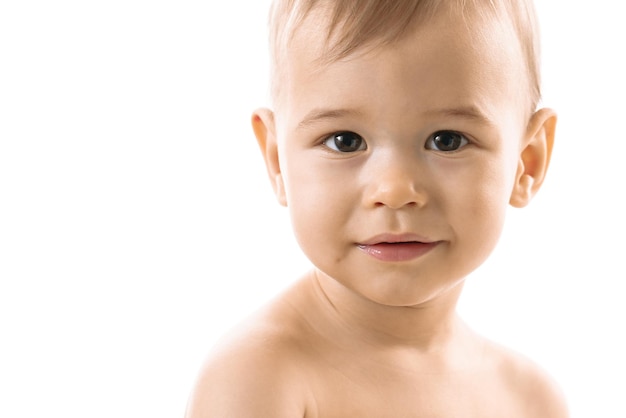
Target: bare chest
[(378, 393)]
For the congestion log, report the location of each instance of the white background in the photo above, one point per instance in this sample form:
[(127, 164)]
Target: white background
[(137, 225)]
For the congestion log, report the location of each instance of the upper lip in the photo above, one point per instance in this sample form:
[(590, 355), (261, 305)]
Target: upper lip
[(389, 238)]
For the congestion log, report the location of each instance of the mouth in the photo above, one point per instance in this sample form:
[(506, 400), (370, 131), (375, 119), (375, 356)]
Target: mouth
[(396, 248)]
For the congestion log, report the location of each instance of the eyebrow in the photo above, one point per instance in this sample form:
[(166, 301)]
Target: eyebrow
[(320, 115), (471, 113)]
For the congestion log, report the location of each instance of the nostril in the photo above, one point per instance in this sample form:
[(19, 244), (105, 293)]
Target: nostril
[(392, 205)]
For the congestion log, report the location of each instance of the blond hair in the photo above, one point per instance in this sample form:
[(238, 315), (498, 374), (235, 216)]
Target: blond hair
[(353, 24)]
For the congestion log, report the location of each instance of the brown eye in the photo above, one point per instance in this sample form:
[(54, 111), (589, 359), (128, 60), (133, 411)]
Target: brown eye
[(345, 142), (446, 141)]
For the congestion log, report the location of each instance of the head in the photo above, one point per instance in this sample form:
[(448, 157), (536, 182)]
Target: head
[(400, 133)]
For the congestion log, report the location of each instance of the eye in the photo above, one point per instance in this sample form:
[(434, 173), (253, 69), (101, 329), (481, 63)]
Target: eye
[(446, 141), (345, 142)]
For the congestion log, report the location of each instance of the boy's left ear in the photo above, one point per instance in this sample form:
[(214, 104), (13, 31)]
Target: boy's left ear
[(534, 157)]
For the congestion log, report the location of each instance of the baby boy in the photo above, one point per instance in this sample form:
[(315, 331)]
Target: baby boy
[(399, 133)]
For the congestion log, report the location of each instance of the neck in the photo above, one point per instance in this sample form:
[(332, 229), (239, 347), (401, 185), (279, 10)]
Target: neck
[(429, 327)]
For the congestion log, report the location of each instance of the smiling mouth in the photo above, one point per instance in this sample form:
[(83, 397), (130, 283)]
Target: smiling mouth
[(398, 250)]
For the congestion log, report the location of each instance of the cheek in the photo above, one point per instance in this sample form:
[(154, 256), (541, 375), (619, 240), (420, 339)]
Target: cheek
[(477, 208), (320, 201)]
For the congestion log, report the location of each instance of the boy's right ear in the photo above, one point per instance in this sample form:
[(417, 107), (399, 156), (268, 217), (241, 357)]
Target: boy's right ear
[(265, 132)]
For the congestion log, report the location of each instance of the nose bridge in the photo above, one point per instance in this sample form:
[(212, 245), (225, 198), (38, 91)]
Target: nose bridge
[(395, 179)]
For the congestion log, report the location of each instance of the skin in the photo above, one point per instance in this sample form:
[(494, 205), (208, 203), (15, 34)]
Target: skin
[(364, 333)]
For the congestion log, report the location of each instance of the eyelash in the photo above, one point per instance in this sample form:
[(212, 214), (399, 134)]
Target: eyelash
[(459, 141)]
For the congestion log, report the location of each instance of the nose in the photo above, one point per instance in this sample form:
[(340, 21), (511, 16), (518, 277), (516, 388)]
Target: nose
[(395, 181)]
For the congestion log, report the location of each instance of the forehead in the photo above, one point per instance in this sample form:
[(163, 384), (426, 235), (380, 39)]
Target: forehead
[(449, 57)]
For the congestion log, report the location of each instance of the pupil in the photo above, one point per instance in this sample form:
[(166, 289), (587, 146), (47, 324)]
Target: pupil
[(447, 141), (347, 141)]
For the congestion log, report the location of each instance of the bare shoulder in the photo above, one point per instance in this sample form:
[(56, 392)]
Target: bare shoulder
[(535, 389), (255, 371)]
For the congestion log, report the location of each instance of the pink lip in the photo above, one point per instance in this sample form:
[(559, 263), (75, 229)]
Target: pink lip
[(392, 247)]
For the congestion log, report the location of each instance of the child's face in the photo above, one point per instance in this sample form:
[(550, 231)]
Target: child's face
[(398, 164)]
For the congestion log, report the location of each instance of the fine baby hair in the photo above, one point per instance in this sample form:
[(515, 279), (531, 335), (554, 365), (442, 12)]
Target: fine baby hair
[(356, 24)]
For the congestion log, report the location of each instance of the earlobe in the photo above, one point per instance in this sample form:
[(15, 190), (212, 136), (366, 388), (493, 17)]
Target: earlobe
[(534, 157), (265, 132)]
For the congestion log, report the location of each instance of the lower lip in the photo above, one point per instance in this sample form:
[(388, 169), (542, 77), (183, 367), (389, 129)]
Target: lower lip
[(397, 251)]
